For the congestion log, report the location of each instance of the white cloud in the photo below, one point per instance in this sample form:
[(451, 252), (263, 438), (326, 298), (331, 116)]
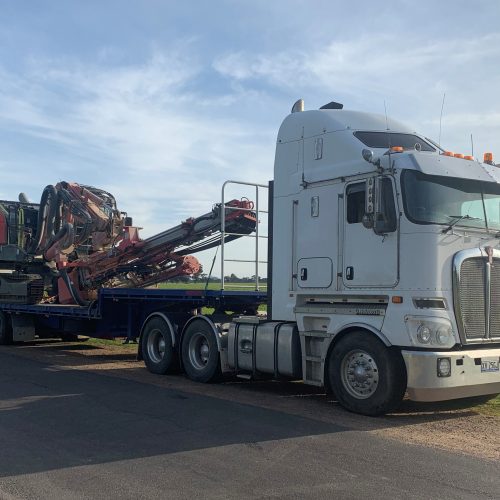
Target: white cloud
[(409, 73), (138, 131)]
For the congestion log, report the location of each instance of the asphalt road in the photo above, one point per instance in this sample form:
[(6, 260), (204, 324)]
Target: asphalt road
[(74, 434)]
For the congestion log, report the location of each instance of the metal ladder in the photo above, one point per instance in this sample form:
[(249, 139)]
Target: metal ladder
[(257, 235)]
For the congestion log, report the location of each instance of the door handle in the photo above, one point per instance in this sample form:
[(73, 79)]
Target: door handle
[(303, 274), (349, 273)]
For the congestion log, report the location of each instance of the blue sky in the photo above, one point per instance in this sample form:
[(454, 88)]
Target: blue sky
[(160, 101)]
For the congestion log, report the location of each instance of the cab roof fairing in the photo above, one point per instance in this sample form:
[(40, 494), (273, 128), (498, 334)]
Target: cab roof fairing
[(316, 122), (446, 166)]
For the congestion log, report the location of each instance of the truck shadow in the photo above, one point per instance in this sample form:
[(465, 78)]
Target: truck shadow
[(53, 419), (298, 395)]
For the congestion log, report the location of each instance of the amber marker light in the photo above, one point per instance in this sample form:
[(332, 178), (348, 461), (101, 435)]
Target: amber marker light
[(448, 153), (397, 299), (468, 157), (488, 158), (458, 155), (397, 149)]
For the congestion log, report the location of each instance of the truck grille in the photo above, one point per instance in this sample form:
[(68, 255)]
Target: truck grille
[(477, 295)]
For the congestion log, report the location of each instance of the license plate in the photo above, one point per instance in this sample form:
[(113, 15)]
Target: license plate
[(490, 365)]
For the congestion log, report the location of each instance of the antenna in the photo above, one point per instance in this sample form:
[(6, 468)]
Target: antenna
[(388, 135), (472, 145), (441, 118)]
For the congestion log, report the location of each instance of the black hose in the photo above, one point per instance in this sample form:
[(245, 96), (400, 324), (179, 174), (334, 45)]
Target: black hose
[(46, 212)]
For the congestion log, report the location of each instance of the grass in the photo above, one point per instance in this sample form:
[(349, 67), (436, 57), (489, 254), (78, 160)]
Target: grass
[(110, 343), (492, 407)]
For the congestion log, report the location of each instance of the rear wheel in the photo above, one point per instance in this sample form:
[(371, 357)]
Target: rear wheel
[(365, 375), (157, 349), (5, 329), (200, 353)]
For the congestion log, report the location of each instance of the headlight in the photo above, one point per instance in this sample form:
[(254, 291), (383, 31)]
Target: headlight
[(426, 331), (443, 334), (424, 334)]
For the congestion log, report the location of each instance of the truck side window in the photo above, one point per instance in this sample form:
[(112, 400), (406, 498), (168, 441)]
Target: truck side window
[(355, 202)]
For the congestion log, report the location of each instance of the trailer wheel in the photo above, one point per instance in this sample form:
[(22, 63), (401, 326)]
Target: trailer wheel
[(365, 375), (157, 348), (200, 353), (5, 329)]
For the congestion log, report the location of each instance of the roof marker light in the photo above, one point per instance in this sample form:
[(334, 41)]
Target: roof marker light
[(458, 155), (448, 153), (468, 157), (488, 158)]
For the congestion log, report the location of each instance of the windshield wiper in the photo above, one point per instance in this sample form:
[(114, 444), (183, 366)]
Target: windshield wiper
[(458, 218)]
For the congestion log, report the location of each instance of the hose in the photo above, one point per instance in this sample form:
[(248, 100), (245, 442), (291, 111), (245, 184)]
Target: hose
[(46, 213)]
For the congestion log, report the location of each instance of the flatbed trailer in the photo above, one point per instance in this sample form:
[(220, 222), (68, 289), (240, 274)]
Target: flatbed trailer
[(123, 313)]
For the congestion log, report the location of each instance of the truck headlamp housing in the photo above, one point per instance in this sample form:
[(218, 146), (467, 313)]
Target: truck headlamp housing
[(426, 331)]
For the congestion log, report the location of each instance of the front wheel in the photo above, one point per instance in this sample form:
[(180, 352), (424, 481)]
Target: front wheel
[(200, 353), (366, 376)]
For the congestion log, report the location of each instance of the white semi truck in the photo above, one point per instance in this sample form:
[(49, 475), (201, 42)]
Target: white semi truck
[(385, 269), (383, 275)]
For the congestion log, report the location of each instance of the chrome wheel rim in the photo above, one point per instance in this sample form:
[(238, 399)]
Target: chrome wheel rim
[(199, 351), (359, 374), (155, 346)]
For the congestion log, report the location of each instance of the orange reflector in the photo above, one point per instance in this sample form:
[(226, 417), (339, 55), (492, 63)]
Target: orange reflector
[(397, 149), (397, 299), (468, 157), (488, 158), (458, 155), (448, 153)]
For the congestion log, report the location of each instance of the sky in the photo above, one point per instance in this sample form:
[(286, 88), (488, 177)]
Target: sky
[(159, 102)]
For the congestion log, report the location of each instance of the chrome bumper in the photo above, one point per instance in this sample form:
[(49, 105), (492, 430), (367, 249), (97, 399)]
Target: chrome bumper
[(466, 377)]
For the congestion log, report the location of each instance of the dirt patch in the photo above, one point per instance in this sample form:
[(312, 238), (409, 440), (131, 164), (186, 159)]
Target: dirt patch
[(452, 426)]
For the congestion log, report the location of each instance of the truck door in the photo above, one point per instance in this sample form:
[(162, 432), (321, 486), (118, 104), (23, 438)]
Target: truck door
[(370, 259)]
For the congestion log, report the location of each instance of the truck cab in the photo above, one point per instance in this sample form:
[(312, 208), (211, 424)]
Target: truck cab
[(386, 254)]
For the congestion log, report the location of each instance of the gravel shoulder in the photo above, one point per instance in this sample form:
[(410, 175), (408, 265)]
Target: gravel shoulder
[(452, 426)]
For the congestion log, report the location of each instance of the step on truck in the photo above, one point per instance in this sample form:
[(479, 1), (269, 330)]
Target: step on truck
[(383, 275)]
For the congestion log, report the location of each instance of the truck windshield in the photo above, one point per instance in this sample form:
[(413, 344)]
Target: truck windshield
[(432, 199)]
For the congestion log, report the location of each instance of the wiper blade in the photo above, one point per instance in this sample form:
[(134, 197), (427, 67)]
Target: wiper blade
[(458, 218)]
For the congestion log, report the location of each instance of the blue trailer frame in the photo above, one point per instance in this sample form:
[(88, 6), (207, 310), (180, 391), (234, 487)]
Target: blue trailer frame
[(121, 312)]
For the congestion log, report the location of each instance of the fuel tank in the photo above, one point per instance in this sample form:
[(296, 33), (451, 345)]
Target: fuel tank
[(265, 347)]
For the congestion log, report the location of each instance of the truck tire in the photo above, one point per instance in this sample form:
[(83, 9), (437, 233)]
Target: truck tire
[(156, 345), (200, 353), (366, 376), (5, 329)]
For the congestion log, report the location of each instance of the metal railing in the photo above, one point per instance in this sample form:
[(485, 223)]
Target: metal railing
[(257, 235)]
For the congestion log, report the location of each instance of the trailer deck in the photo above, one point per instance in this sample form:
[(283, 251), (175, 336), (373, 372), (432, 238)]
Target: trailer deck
[(120, 312)]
